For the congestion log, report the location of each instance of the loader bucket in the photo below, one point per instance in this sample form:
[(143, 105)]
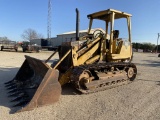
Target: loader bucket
[(36, 84)]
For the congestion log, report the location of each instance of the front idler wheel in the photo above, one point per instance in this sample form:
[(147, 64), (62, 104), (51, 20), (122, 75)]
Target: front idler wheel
[(131, 72)]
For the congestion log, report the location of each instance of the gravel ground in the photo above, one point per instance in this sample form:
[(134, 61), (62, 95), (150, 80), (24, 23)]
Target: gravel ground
[(139, 100)]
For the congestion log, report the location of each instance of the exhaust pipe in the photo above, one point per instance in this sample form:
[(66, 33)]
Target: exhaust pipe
[(77, 24)]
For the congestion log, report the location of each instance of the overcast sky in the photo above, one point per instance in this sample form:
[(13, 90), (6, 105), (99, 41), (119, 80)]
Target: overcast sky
[(18, 15)]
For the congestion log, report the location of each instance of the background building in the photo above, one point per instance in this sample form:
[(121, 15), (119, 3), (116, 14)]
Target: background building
[(64, 37)]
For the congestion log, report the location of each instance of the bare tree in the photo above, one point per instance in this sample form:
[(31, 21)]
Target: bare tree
[(30, 34)]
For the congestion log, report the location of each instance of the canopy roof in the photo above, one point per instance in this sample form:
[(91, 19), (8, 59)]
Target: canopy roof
[(105, 14)]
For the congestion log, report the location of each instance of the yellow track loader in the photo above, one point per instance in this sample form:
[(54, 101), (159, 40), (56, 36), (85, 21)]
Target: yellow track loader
[(94, 62)]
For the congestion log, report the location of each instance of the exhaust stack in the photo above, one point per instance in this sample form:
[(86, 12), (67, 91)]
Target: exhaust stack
[(77, 24)]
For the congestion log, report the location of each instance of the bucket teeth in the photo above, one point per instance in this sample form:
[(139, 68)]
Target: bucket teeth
[(21, 103), (8, 82), (12, 82), (11, 87), (20, 97), (8, 85), (16, 99), (13, 90), (15, 94)]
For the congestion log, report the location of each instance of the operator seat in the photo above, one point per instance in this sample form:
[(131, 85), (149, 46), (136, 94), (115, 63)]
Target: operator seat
[(115, 34)]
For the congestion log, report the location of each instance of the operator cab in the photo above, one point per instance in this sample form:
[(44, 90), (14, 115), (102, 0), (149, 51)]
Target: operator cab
[(118, 48)]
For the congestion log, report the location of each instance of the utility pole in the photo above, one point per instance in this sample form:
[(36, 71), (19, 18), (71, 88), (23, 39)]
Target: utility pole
[(49, 21), (157, 42)]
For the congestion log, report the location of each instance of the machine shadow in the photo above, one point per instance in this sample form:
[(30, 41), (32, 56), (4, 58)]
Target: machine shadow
[(150, 63), (68, 89), (157, 82), (153, 63), (7, 74), (20, 51)]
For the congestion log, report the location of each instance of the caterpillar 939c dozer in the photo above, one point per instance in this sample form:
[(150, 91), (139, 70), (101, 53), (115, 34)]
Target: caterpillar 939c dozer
[(94, 62)]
